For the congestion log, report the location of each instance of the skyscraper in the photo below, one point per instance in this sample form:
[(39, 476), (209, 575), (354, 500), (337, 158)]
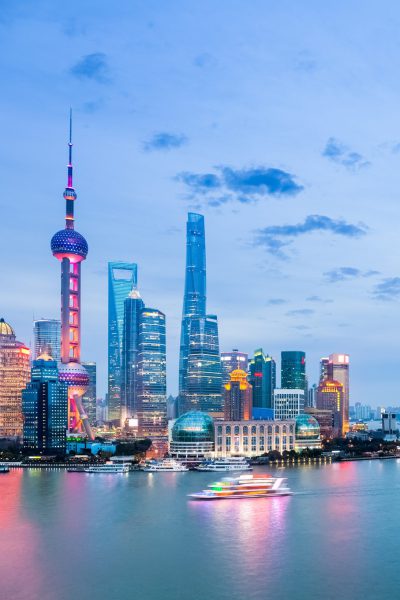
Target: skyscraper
[(204, 374), (293, 370), (14, 375), (89, 397), (200, 374), (122, 278), (70, 248), (47, 338), (338, 369), (45, 408), (263, 379), (288, 403), (152, 374), (330, 396), (231, 361), (194, 299), (133, 305), (238, 397)]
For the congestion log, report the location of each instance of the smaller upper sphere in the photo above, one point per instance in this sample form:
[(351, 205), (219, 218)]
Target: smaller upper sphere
[(68, 243), (5, 328)]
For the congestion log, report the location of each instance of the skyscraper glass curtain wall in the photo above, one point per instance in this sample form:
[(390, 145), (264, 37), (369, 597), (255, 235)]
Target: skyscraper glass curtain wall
[(122, 277), (47, 338)]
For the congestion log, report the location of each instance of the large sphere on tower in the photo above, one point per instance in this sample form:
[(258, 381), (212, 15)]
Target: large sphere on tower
[(68, 243), (75, 376)]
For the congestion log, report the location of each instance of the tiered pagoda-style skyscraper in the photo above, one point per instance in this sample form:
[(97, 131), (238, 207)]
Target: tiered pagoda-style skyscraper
[(70, 248)]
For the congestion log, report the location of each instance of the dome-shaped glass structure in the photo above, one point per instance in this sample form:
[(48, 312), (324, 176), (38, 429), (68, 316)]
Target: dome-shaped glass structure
[(68, 243), (6, 329), (307, 428), (193, 427)]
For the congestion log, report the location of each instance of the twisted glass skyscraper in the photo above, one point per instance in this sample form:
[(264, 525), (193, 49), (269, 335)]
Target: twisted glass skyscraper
[(200, 374)]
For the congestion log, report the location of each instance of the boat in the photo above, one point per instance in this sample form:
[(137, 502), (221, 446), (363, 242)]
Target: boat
[(4, 470), (245, 486), (107, 468), (165, 465), (233, 463)]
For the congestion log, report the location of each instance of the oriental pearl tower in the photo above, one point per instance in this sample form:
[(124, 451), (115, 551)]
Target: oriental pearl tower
[(70, 248)]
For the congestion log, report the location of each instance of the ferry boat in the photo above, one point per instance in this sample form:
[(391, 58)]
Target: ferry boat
[(245, 486), (4, 470), (165, 465), (233, 463), (107, 468)]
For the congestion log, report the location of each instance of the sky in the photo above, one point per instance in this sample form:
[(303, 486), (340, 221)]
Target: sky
[(277, 121)]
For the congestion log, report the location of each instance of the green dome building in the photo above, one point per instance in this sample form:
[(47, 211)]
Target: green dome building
[(192, 436), (307, 433)]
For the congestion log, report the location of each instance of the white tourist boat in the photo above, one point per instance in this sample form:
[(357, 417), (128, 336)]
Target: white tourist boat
[(107, 468), (245, 486), (233, 463), (165, 465)]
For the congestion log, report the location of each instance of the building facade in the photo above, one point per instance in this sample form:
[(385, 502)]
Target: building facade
[(47, 338), (253, 438), (45, 409), (262, 370), (122, 278), (14, 375), (203, 379), (330, 397), (238, 397), (130, 347), (152, 375), (325, 420), (191, 436), (231, 361), (288, 403), (293, 370), (89, 399), (339, 365)]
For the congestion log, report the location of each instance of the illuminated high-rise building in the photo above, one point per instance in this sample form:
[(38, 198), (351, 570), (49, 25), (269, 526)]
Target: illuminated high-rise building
[(323, 368), (133, 305), (204, 373), (231, 361), (45, 408), (288, 403), (14, 375), (122, 278), (338, 369), (238, 397), (200, 374), (151, 378), (47, 338), (293, 370), (330, 396), (263, 379), (89, 397), (70, 248)]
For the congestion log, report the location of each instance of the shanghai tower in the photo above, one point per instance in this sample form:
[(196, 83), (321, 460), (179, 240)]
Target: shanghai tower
[(200, 372), (70, 248)]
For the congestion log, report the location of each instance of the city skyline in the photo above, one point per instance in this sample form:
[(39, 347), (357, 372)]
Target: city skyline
[(160, 163)]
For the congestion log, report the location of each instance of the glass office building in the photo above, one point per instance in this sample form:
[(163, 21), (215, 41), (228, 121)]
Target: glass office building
[(231, 361), (45, 408), (130, 348), (204, 371), (263, 379), (293, 370), (47, 338), (122, 277), (152, 374), (89, 397)]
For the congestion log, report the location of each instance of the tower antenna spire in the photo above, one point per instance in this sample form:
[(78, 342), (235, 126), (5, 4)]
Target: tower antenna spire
[(70, 185)]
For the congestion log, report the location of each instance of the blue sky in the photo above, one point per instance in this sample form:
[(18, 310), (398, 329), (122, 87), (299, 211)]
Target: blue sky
[(278, 121)]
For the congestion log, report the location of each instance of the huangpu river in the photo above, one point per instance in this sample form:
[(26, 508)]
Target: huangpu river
[(65, 536)]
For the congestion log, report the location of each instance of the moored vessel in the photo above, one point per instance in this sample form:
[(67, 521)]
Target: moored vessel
[(233, 463), (165, 465), (107, 468), (4, 470), (245, 486)]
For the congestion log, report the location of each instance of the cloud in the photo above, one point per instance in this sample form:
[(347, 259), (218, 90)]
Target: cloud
[(241, 185), (92, 66), (341, 154), (318, 299), (388, 289), (346, 273), (300, 312), (275, 237), (275, 301), (165, 141)]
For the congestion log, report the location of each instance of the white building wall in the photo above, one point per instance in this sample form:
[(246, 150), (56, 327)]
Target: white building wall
[(252, 438), (288, 403)]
